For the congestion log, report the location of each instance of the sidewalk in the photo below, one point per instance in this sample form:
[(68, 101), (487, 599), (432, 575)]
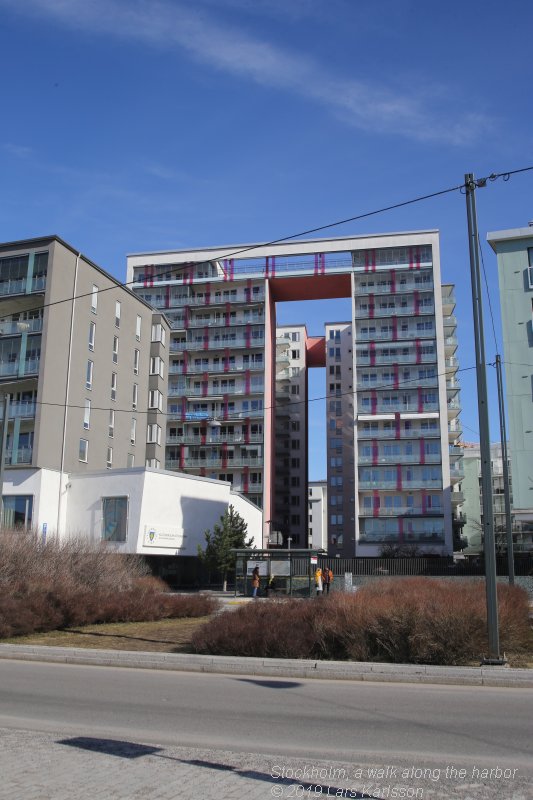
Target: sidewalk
[(276, 667)]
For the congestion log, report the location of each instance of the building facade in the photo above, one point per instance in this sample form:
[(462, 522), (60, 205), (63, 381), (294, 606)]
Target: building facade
[(514, 251), (318, 515), (391, 381), (472, 507), (82, 366)]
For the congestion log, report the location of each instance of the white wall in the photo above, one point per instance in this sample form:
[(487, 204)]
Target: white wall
[(44, 486), (168, 512)]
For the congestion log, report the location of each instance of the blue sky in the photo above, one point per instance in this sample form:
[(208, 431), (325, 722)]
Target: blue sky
[(130, 126)]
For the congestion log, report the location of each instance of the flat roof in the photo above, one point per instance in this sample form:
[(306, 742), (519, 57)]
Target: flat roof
[(289, 240), (511, 233)]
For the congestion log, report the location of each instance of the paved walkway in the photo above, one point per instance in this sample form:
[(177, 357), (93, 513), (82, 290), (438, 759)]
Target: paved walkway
[(69, 766)]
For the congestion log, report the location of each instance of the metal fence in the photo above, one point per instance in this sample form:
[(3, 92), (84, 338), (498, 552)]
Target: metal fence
[(423, 566)]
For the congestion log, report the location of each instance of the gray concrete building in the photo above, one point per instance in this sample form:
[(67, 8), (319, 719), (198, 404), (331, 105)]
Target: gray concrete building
[(82, 361)]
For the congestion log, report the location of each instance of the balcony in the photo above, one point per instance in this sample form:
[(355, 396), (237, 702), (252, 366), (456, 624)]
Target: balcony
[(20, 410), (19, 369), (401, 336), (399, 511), (402, 458), (451, 363), (411, 358), (394, 408), (215, 391), (22, 456), (221, 323), (457, 498), (390, 433), (178, 301), (12, 328), (425, 383), (401, 287), (397, 311), (216, 439), (448, 299), (217, 344), (414, 483), (219, 463)]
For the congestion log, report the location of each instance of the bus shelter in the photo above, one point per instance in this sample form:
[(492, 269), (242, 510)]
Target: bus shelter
[(281, 572)]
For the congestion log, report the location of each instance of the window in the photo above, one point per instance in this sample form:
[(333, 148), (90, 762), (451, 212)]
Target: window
[(130, 461), (135, 396), (17, 511), (153, 434), (295, 354), (157, 366), (530, 267), (92, 333), (94, 299), (159, 334), (111, 423), (117, 314), (133, 430), (113, 386), (89, 376), (109, 457), (84, 450), (115, 350), (114, 519), (87, 414), (138, 328), (136, 356), (155, 400)]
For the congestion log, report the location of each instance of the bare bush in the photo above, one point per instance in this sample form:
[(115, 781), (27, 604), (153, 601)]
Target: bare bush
[(417, 620), (72, 583)]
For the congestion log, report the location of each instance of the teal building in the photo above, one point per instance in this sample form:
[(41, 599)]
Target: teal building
[(514, 251)]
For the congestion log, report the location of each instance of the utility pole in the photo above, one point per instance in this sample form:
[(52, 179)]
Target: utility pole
[(3, 443), (506, 492), (484, 429)]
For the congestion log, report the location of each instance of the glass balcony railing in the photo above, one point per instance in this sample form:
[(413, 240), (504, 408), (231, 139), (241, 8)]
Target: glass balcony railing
[(217, 344), (217, 440), (411, 358), (17, 369), (390, 433), (23, 455), (414, 483), (401, 458), (399, 511), (12, 328), (18, 410), (378, 336), (397, 311), (393, 408)]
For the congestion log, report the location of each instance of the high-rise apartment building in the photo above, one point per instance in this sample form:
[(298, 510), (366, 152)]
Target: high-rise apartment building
[(317, 515), (392, 394), (80, 358), (472, 507), (514, 250)]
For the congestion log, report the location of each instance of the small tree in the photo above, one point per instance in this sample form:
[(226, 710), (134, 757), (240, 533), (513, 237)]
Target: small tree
[(229, 534)]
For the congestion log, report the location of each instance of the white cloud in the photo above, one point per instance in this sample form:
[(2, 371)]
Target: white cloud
[(359, 103), (18, 150)]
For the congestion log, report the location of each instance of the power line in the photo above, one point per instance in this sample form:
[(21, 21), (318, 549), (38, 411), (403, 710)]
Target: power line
[(380, 387), (479, 182)]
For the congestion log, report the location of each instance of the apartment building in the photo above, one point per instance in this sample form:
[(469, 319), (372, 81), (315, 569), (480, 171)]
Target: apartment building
[(514, 252), (318, 515), (390, 375), (81, 360), (472, 507)]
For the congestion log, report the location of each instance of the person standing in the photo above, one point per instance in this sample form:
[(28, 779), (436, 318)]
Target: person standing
[(318, 581), (327, 579), (255, 581)]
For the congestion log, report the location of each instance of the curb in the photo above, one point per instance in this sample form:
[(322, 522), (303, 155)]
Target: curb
[(495, 676)]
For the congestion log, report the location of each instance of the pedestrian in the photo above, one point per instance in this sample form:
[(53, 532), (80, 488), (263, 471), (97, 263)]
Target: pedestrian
[(255, 581), (327, 578), (318, 582)]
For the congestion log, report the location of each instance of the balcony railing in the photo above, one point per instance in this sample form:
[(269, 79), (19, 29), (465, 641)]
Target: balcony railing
[(215, 368), (214, 390), (393, 408), (401, 336), (402, 458), (216, 344), (181, 300), (411, 358), (413, 433), (397, 311), (425, 383), (229, 416), (407, 286), (23, 455), (399, 511), (11, 369), (219, 463), (19, 409), (229, 438), (11, 327), (414, 483)]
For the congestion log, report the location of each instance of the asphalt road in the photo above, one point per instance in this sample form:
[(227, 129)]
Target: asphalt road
[(315, 719)]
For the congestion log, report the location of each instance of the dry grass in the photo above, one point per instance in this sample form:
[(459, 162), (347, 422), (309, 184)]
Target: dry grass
[(159, 636)]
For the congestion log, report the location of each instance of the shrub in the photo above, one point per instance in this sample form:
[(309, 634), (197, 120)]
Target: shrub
[(65, 584), (417, 620)]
